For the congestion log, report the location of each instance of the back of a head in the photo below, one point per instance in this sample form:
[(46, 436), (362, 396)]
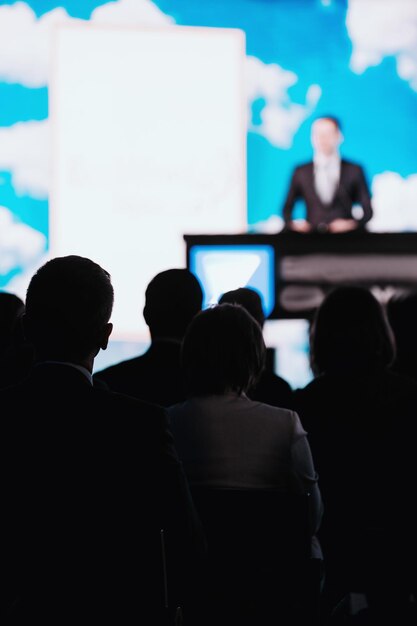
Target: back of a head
[(350, 332), (11, 309), (249, 298), (68, 303), (172, 299), (223, 350)]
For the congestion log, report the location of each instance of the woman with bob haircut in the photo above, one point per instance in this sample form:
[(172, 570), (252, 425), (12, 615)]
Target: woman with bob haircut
[(223, 438), (350, 333)]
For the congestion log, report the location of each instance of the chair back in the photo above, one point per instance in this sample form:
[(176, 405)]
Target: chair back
[(259, 564)]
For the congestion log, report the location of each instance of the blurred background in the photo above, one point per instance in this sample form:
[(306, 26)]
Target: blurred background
[(294, 60)]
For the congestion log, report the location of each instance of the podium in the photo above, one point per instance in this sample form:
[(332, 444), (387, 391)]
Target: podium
[(294, 271)]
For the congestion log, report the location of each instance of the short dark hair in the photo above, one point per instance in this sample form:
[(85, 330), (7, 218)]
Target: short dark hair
[(332, 118), (249, 298), (350, 330), (68, 302), (172, 298), (223, 350)]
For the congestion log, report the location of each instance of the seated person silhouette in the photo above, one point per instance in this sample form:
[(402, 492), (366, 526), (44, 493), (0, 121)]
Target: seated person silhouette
[(329, 185), (361, 419), (270, 388), (16, 354), (226, 440), (98, 524), (239, 442), (172, 299)]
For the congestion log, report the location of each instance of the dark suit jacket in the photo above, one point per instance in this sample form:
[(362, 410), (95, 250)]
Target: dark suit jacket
[(89, 478), (154, 376), (352, 189)]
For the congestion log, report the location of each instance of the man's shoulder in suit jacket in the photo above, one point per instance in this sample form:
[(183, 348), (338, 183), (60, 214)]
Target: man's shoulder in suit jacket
[(307, 168), (154, 376), (303, 168), (90, 477)]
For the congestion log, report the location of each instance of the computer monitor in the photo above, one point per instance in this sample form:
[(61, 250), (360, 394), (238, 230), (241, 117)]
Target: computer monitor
[(221, 268)]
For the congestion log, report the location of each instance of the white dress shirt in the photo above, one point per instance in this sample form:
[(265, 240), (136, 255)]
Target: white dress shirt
[(326, 176)]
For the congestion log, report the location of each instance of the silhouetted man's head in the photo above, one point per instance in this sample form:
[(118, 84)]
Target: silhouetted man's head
[(68, 306), (172, 298), (249, 299)]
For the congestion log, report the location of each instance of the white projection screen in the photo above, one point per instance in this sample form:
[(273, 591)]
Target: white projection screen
[(148, 144)]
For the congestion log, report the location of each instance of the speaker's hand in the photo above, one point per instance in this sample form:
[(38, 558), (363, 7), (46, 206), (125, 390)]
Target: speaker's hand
[(342, 226)]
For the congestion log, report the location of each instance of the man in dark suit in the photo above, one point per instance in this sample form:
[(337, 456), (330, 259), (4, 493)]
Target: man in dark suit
[(329, 185), (98, 523), (172, 299)]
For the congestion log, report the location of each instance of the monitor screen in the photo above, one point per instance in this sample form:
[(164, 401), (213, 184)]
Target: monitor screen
[(221, 268)]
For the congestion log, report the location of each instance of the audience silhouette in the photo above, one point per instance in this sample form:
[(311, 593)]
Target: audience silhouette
[(270, 388), (16, 354), (361, 424), (98, 523), (402, 316), (172, 299)]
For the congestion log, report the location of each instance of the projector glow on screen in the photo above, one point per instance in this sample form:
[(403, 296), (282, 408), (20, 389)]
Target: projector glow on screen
[(149, 143), (223, 268)]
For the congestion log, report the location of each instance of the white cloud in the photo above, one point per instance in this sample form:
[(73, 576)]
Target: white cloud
[(26, 41), (20, 245), (280, 118), (133, 12), (394, 203), (380, 28), (24, 151)]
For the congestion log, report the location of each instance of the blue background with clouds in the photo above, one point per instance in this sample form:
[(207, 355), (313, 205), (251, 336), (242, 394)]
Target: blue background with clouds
[(309, 38), (356, 59)]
